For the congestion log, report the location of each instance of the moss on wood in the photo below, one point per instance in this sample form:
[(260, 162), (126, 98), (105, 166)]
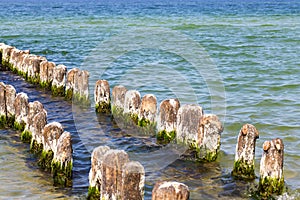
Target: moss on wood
[(242, 170), (58, 91), (103, 107), (62, 173), (164, 137), (26, 136), (93, 193)]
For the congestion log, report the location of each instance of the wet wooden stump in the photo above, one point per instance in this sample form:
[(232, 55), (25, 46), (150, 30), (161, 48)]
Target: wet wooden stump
[(208, 144), (33, 109), (33, 68), (46, 74), (112, 166), (188, 120), (133, 181), (21, 111), (147, 111), (51, 134), (167, 120), (170, 191), (59, 80), (36, 144), (6, 53), (271, 181), (132, 104), (81, 88), (62, 163), (95, 175), (70, 83), (244, 167), (102, 97), (2, 105), (10, 96), (118, 99)]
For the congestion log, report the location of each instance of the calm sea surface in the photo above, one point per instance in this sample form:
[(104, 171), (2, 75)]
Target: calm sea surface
[(237, 59)]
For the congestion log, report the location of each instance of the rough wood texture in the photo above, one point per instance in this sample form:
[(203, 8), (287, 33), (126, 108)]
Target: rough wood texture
[(148, 108), (170, 191), (21, 111), (271, 179), (245, 152), (118, 96), (102, 96)]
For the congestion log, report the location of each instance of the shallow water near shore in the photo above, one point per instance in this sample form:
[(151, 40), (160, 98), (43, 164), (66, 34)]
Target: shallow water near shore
[(254, 47)]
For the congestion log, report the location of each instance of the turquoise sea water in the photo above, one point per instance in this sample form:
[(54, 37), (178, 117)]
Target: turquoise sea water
[(238, 59)]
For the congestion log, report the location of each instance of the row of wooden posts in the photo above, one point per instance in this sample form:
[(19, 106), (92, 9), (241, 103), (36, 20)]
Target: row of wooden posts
[(184, 124)]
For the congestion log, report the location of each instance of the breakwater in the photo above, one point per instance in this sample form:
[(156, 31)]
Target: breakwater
[(172, 118)]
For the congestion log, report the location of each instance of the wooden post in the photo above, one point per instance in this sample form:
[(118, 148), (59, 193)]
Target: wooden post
[(271, 179), (21, 111), (245, 153), (95, 175), (208, 146), (46, 74), (2, 105), (102, 96), (188, 120), (70, 83), (132, 104), (10, 96), (133, 181), (59, 80), (118, 99), (147, 112), (170, 191), (167, 120)]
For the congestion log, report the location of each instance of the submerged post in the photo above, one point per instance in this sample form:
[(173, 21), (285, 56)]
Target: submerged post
[(170, 191), (62, 162), (188, 120), (118, 99), (95, 175), (102, 96), (2, 105), (46, 74), (21, 111), (10, 96), (70, 83), (147, 111), (271, 179), (132, 104), (59, 80), (33, 109), (112, 165), (208, 146), (245, 152), (167, 120)]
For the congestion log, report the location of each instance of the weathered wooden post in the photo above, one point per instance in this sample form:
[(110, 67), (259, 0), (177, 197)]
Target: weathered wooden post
[(208, 146), (102, 97), (40, 119), (187, 127), (81, 87), (170, 191), (51, 134), (46, 74), (59, 80), (70, 83), (21, 111), (33, 71), (118, 99), (10, 96), (245, 152), (132, 104), (6, 53), (95, 175), (167, 120), (17, 61), (147, 112), (133, 181), (33, 108), (112, 165), (2, 105), (271, 179), (62, 163)]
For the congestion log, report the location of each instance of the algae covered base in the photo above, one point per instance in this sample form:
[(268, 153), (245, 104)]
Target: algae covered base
[(242, 170)]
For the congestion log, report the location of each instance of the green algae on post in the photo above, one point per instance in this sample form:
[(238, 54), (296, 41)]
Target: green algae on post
[(167, 120), (102, 97), (271, 181), (245, 151), (26, 136), (59, 80)]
